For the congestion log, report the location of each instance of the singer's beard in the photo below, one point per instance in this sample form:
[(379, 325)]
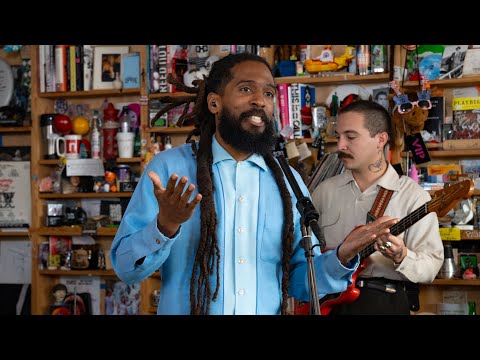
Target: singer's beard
[(232, 132)]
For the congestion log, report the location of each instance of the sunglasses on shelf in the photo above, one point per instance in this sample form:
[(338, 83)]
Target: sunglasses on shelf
[(404, 105)]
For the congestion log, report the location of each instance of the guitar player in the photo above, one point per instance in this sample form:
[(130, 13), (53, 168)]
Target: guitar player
[(388, 283)]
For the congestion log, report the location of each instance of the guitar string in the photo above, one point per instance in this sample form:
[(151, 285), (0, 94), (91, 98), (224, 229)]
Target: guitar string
[(424, 208)]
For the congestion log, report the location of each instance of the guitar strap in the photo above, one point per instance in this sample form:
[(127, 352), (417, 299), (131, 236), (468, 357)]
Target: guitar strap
[(379, 205)]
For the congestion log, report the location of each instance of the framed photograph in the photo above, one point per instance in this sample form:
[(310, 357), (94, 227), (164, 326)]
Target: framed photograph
[(380, 96), (107, 65)]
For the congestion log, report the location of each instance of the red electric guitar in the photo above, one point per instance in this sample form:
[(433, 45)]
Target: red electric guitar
[(441, 203)]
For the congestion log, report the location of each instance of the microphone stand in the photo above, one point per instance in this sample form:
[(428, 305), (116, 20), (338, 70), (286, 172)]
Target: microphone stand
[(308, 223)]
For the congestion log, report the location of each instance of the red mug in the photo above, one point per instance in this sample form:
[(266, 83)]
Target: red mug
[(71, 146)]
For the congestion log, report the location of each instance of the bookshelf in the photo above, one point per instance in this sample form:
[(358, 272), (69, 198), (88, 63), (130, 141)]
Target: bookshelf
[(43, 102), (432, 294)]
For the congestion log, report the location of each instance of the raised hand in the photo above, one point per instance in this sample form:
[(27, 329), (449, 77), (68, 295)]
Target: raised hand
[(173, 202), (364, 235)]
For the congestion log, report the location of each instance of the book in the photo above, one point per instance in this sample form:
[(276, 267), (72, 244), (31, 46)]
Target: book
[(466, 122), (131, 70), (87, 67), (452, 61), (295, 111), (435, 118)]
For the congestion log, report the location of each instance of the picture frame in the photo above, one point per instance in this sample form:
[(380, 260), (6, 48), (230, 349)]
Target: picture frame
[(107, 61)]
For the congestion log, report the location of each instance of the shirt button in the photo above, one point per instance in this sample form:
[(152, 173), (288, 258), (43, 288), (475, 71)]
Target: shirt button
[(239, 163), (241, 260), (241, 199), (241, 292), (240, 230), (157, 241)]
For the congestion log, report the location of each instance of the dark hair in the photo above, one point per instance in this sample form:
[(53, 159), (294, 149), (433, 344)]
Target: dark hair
[(381, 93), (376, 118), (207, 258), (59, 287)]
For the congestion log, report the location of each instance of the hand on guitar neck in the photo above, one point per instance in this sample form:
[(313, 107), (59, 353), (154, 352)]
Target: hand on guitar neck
[(364, 235)]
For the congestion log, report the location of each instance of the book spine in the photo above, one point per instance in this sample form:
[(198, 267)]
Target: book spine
[(79, 66), (296, 111), (283, 104), (60, 68), (162, 68), (73, 68), (41, 67)]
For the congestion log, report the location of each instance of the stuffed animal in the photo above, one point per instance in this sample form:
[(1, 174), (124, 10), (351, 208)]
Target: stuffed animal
[(408, 123)]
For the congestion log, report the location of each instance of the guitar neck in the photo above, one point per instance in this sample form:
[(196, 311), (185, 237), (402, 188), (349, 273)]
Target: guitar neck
[(399, 227)]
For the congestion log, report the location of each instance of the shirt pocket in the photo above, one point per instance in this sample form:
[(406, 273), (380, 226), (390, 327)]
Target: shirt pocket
[(271, 241)]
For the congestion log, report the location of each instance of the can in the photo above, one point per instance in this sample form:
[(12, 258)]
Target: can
[(363, 59), (123, 172)]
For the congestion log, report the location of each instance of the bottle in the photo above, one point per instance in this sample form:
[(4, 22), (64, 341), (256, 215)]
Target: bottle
[(472, 308), (117, 83), (95, 140), (124, 120), (363, 59), (167, 142)]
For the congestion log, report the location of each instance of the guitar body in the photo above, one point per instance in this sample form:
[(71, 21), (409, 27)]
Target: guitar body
[(346, 297), (441, 203)]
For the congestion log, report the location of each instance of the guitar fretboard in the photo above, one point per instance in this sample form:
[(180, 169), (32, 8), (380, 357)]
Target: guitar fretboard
[(399, 227)]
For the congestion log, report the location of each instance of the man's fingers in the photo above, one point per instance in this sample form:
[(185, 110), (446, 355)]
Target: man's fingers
[(186, 195), (196, 200), (177, 192), (171, 183), (157, 183)]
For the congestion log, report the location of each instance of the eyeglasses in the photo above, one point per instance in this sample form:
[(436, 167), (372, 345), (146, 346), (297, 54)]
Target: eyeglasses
[(404, 105)]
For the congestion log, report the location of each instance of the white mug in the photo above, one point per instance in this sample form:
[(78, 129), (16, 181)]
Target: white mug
[(71, 146)]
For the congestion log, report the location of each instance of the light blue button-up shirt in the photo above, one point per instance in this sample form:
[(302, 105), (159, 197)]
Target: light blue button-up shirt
[(250, 223)]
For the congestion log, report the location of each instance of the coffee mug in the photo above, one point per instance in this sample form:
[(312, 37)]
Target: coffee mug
[(71, 145)]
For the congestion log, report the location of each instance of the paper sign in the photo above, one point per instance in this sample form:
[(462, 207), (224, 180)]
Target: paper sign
[(85, 167)]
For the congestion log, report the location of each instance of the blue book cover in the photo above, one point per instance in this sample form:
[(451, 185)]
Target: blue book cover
[(131, 70)]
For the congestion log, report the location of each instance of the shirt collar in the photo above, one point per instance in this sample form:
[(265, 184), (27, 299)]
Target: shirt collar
[(390, 180), (220, 154)]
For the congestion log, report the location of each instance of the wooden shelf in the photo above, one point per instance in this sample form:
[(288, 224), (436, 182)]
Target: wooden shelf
[(175, 94), (75, 230), (60, 230), (85, 195), (92, 93), (170, 130), (13, 129), (15, 233), (338, 78), (454, 282), (446, 83), (78, 272), (450, 153), (118, 160), (107, 231)]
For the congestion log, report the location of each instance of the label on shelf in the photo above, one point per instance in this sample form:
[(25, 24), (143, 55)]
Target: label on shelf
[(450, 234)]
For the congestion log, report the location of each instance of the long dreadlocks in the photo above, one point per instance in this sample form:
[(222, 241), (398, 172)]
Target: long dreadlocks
[(208, 253)]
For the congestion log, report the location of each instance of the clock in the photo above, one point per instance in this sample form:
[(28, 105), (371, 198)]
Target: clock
[(6, 83)]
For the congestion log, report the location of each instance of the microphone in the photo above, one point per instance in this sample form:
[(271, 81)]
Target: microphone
[(309, 215)]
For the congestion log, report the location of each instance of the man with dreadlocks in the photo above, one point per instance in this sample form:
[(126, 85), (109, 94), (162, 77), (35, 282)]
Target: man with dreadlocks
[(239, 252)]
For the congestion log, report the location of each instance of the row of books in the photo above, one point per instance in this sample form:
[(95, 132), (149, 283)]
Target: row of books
[(294, 107), (65, 67)]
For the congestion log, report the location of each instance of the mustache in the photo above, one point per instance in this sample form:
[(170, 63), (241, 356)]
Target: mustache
[(254, 112), (342, 155)]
